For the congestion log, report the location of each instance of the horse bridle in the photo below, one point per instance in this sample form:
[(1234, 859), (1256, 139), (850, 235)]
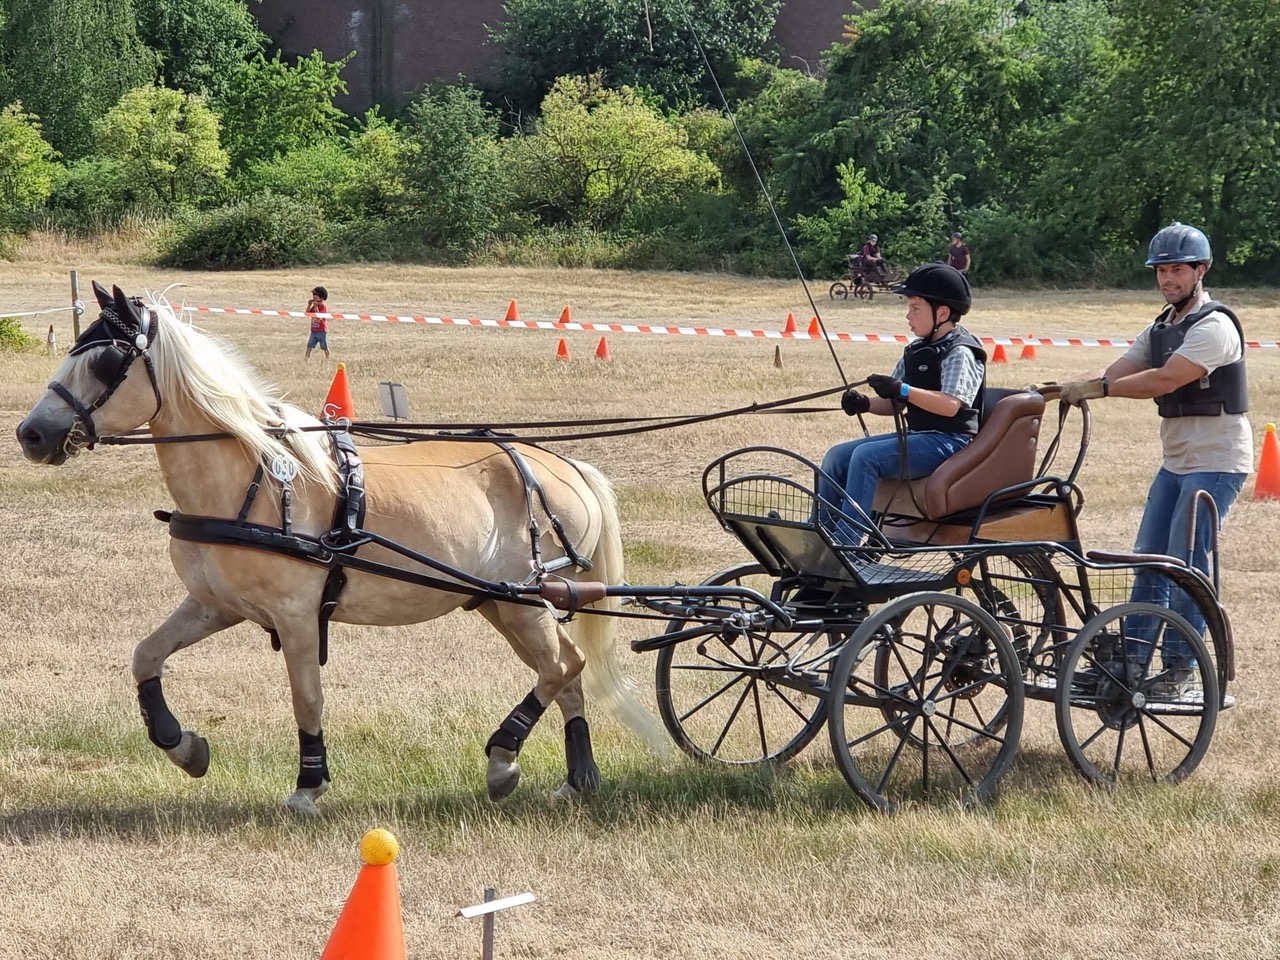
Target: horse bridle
[(128, 342)]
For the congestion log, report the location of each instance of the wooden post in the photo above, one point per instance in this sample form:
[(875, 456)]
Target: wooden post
[(77, 306)]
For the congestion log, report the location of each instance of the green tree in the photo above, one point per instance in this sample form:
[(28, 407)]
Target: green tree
[(28, 168), (597, 155), (69, 61), (644, 44), (865, 208), (166, 144), (1166, 132), (201, 43), (271, 108), (455, 188)]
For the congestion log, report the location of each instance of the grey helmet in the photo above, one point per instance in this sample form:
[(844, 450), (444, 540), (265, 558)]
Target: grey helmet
[(1179, 243)]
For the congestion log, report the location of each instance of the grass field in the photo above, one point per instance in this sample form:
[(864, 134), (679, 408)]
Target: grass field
[(108, 851)]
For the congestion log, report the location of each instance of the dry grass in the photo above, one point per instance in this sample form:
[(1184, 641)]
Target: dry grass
[(106, 850)]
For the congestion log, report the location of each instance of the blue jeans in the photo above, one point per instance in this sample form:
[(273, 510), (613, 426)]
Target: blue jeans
[(856, 466), (1165, 524)]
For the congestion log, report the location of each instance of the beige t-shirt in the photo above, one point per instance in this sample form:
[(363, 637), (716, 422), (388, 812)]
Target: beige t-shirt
[(1224, 443)]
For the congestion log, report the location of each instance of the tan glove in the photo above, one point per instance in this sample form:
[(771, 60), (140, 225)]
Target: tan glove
[(1073, 393)]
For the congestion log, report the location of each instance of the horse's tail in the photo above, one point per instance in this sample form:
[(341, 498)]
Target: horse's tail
[(603, 679)]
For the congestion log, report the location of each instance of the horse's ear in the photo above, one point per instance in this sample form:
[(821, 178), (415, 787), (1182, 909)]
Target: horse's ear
[(125, 307), (104, 298)]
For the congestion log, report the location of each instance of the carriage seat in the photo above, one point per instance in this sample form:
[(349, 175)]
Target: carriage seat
[(1003, 454)]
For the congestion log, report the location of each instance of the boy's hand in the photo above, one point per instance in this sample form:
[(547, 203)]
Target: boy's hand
[(887, 388), (853, 403)]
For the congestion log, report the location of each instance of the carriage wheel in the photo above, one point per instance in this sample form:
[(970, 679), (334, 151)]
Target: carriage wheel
[(723, 696), (935, 670), (1123, 713), (863, 290), (1026, 600), (839, 290)]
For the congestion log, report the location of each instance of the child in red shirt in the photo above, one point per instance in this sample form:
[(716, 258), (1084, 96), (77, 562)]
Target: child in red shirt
[(319, 324)]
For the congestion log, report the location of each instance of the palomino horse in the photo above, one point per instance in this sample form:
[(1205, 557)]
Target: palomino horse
[(470, 506)]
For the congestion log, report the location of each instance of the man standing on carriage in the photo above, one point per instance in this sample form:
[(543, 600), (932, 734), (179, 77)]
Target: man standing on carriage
[(938, 385), (1190, 360)]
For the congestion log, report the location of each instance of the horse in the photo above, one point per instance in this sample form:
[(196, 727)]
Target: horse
[(256, 486)]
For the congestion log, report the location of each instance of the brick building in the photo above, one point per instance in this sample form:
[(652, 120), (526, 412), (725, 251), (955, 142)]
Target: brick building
[(402, 44)]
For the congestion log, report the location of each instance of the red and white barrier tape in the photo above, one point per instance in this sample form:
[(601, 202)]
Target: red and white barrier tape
[(683, 331)]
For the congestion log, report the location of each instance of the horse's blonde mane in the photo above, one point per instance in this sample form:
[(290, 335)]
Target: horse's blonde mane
[(211, 375)]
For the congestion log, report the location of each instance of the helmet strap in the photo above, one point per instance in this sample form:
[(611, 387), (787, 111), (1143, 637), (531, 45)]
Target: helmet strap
[(1194, 294), (933, 308)]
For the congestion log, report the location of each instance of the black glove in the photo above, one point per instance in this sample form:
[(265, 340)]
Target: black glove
[(886, 387), (852, 402)]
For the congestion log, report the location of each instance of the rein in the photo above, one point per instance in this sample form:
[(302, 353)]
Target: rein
[(417, 432)]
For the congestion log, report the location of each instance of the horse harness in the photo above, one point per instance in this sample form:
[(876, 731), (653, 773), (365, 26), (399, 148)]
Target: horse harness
[(336, 548)]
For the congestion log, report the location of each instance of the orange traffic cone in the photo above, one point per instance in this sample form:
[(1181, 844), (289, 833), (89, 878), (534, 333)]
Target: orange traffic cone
[(562, 351), (791, 324), (814, 329), (370, 926), (1266, 485), (777, 356), (1028, 350), (564, 315), (602, 351), (337, 404), (998, 356), (512, 312)]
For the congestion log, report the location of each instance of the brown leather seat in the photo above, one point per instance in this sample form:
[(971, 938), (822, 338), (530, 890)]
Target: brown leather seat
[(1002, 454)]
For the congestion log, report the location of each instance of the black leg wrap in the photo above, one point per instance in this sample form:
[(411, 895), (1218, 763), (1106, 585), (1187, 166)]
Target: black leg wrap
[(513, 731), (583, 772), (162, 726), (313, 766)]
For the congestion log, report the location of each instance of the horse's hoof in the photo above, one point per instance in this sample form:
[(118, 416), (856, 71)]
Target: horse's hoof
[(191, 755), (503, 775), (565, 794), (303, 800)]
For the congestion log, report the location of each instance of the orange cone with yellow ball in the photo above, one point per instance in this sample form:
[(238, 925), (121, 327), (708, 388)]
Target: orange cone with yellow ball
[(370, 926), (1266, 485), (338, 405)]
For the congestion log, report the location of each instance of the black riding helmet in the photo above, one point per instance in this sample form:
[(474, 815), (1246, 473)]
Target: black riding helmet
[(940, 284)]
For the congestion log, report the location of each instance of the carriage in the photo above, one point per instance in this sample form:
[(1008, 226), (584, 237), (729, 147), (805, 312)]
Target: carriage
[(918, 644), (865, 279), (914, 636)]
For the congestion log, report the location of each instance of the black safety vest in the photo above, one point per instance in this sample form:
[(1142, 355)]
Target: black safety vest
[(922, 367), (1225, 390)]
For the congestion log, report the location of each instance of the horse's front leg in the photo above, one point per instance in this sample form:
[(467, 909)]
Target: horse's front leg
[(300, 643), (190, 622)]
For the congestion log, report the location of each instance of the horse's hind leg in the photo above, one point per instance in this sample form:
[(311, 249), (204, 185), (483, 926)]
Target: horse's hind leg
[(544, 646), (191, 622), (583, 775)]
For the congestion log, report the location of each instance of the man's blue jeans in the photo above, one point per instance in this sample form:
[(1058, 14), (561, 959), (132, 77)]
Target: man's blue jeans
[(1165, 524), (856, 466)]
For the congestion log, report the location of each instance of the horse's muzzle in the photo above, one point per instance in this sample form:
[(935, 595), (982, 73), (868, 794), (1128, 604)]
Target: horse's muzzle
[(41, 443)]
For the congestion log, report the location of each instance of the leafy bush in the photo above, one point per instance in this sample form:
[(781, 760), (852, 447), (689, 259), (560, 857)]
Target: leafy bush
[(13, 338), (27, 167), (261, 232), (91, 194)]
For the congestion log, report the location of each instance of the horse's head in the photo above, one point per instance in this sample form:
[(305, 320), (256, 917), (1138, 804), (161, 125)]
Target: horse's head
[(98, 390)]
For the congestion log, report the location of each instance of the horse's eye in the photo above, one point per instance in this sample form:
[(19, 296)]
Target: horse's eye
[(107, 364)]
